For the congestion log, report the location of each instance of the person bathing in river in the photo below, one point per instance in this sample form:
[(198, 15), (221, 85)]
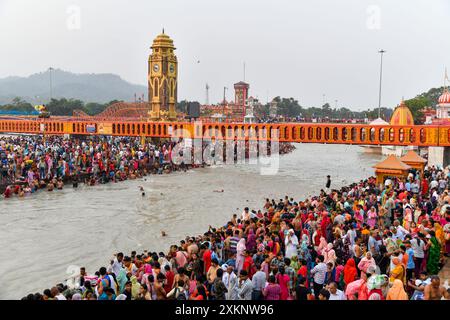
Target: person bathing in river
[(59, 184)]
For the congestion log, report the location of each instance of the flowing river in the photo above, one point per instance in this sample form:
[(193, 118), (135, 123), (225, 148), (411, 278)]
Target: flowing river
[(43, 234)]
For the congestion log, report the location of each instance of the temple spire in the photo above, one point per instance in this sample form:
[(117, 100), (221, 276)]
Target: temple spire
[(446, 79)]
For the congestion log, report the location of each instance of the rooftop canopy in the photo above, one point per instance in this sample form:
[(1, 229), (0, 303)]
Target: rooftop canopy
[(411, 156), (392, 163)]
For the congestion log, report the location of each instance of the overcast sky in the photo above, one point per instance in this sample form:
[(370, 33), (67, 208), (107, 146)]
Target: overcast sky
[(300, 49)]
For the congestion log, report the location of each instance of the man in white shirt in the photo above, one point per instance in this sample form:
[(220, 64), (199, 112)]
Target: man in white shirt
[(57, 294), (401, 232), (335, 293), (418, 245), (433, 184), (318, 274), (229, 278), (259, 283), (117, 263), (245, 214)]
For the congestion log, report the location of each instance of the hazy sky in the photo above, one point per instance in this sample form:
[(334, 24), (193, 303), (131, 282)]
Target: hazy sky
[(302, 49)]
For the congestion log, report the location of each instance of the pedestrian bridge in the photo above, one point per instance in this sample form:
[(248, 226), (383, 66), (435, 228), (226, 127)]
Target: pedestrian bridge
[(333, 133)]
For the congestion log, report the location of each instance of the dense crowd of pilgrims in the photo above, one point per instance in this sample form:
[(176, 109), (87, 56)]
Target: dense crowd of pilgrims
[(30, 163)]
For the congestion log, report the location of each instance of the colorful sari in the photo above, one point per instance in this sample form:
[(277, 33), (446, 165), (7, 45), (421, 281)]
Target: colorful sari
[(434, 255), (440, 235), (350, 271), (397, 292), (122, 279), (398, 272)]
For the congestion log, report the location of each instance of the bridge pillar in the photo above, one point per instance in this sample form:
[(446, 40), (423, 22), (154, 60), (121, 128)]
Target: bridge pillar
[(438, 156)]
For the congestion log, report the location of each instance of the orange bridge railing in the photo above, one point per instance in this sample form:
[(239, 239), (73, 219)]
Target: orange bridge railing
[(333, 133)]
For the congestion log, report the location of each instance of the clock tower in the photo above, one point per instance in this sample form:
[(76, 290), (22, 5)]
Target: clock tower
[(162, 79), (241, 95)]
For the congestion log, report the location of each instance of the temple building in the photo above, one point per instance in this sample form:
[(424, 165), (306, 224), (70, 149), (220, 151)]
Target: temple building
[(232, 110), (440, 156), (402, 116)]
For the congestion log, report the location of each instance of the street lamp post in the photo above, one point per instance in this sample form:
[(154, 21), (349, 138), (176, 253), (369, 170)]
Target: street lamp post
[(381, 76), (51, 86)]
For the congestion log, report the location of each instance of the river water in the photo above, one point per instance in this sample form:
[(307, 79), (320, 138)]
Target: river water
[(42, 235)]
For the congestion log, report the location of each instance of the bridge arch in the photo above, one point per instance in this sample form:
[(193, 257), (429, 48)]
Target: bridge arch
[(391, 134), (327, 134), (354, 134), (423, 135), (310, 133), (401, 135), (318, 133), (335, 134)]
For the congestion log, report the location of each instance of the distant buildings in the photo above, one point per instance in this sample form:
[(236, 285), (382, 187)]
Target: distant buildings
[(232, 110)]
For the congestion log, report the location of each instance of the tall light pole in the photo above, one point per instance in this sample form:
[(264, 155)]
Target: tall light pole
[(224, 99), (51, 86), (381, 77)]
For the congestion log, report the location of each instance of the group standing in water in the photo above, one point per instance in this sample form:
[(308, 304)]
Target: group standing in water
[(30, 163)]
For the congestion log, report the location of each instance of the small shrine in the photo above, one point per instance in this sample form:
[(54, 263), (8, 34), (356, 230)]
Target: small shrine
[(391, 167), (413, 160)]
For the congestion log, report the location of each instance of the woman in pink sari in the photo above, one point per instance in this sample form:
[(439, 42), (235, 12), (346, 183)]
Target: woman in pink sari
[(363, 292), (329, 254), (359, 217), (322, 245), (437, 217), (407, 219), (283, 281), (366, 262), (372, 217), (148, 271), (272, 291)]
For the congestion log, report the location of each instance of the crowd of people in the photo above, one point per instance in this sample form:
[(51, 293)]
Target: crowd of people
[(362, 242), (31, 163)]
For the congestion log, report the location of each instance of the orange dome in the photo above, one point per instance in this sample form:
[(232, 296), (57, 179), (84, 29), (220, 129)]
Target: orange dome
[(402, 116)]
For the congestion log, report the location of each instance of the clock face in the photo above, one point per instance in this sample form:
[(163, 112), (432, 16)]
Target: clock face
[(156, 67), (172, 68)]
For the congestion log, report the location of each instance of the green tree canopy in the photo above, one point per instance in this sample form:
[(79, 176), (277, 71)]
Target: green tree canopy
[(416, 105)]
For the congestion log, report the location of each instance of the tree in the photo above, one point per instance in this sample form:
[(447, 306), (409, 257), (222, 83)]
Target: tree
[(64, 107), (416, 105), (327, 111), (432, 95), (288, 107), (262, 111), (182, 105), (93, 108), (18, 105)]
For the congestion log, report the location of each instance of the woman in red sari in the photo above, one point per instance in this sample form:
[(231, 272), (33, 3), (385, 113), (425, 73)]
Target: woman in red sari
[(325, 222), (249, 264), (350, 272)]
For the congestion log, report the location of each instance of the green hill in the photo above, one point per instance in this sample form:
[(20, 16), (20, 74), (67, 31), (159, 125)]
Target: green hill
[(98, 88)]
